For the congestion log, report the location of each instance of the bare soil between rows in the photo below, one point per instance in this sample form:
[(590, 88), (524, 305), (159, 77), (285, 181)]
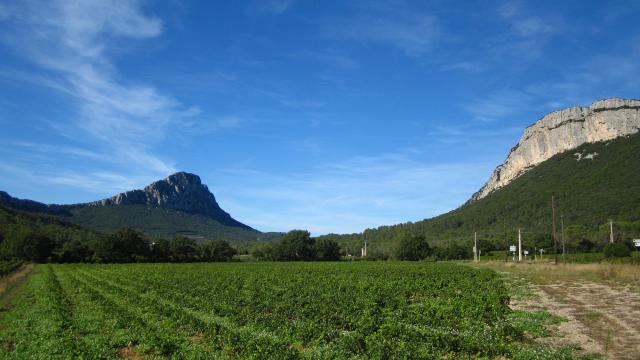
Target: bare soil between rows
[(16, 277), (601, 318)]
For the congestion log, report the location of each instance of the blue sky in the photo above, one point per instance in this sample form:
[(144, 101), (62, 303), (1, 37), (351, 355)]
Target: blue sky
[(328, 116)]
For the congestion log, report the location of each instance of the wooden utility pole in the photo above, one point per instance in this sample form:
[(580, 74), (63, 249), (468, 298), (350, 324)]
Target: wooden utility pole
[(555, 235)]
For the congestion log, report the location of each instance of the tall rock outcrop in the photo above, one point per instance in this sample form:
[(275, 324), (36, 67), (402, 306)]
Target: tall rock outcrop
[(181, 191), (564, 130)]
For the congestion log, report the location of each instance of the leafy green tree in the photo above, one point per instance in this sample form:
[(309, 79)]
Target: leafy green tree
[(454, 250), (377, 254), (263, 252), (543, 241), (295, 245), (125, 245), (73, 251), (182, 248), (574, 235), (484, 245), (217, 250), (327, 250), (586, 245), (412, 247), (38, 248), (161, 250)]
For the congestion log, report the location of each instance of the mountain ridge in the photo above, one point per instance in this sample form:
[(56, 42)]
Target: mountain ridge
[(181, 191), (180, 204), (564, 130)]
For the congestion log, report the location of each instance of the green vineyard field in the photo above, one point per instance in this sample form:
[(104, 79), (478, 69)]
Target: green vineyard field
[(356, 310)]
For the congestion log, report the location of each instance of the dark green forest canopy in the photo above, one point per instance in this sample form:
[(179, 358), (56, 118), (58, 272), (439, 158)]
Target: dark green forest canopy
[(45, 238), (160, 222)]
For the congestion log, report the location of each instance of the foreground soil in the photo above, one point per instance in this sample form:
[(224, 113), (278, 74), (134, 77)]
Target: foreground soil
[(602, 313), (15, 278)]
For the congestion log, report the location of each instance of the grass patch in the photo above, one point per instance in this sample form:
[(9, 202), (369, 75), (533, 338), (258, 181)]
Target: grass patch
[(548, 273), (534, 324)]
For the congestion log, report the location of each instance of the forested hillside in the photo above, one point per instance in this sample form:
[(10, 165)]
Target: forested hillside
[(44, 238), (161, 222), (180, 205), (40, 237), (591, 184)]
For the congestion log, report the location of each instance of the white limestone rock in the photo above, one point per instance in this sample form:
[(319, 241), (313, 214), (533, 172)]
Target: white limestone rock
[(564, 130)]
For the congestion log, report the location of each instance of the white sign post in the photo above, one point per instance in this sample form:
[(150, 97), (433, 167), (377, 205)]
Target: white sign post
[(512, 248), (636, 242), (526, 252)]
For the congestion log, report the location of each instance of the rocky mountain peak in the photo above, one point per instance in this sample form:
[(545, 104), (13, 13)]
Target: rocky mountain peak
[(181, 191), (565, 130)]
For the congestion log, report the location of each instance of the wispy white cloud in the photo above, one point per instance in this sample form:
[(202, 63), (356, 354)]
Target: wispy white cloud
[(328, 57), (521, 36), (270, 6), (524, 24), (93, 182), (43, 164), (414, 32), (466, 66), (499, 105), (527, 34), (600, 76), (73, 42), (533, 26), (472, 132), (350, 195), (590, 79), (5, 12), (203, 126), (48, 149)]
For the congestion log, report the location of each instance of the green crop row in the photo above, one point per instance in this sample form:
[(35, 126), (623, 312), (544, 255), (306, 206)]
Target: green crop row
[(261, 311)]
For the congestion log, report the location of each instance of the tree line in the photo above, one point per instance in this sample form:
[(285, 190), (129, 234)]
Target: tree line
[(123, 246), (297, 245), (41, 238)]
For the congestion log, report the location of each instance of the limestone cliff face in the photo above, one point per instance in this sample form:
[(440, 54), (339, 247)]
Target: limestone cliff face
[(181, 191), (564, 130)]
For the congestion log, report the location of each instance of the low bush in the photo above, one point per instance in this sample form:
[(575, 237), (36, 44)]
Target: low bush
[(616, 250)]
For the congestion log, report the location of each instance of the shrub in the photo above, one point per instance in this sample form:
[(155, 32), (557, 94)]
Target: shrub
[(375, 255), (327, 249), (296, 245), (412, 247), (616, 250)]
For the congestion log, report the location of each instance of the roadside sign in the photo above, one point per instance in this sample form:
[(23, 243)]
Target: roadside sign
[(512, 248), (636, 242), (526, 252)]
